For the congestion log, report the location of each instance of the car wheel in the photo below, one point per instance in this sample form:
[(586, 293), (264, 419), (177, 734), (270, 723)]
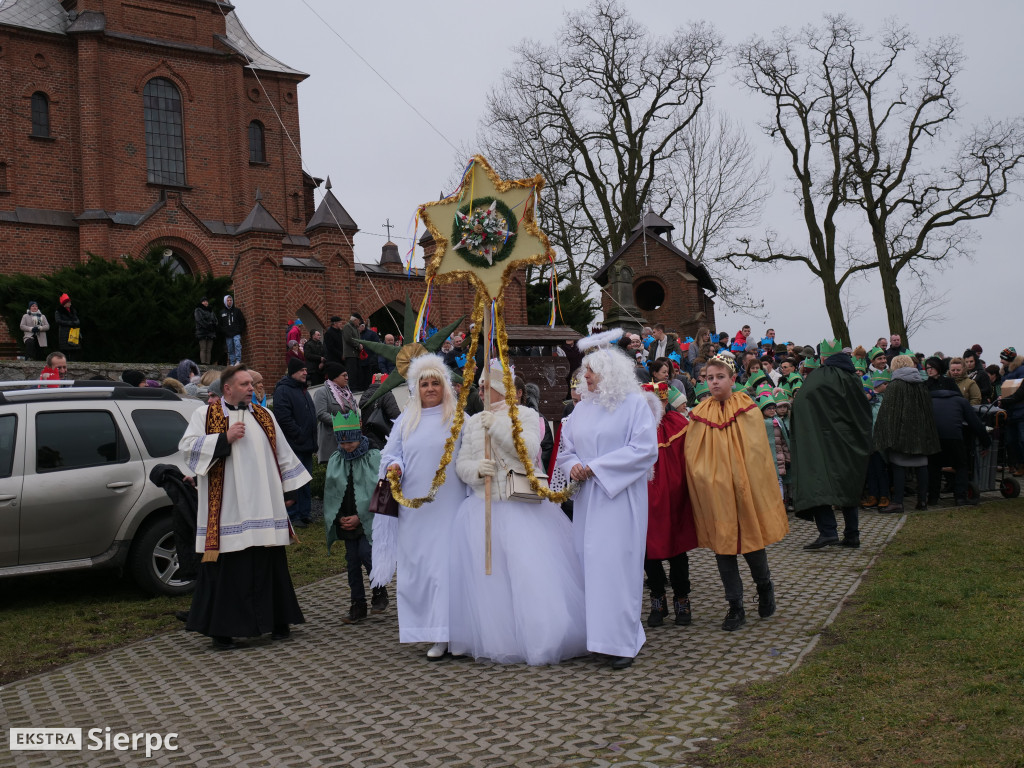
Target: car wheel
[(154, 561)]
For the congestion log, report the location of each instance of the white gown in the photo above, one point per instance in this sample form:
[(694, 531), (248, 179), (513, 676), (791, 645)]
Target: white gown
[(424, 534), (531, 608), (610, 515)]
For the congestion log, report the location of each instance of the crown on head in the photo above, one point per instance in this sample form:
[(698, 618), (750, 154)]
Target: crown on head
[(829, 348), (346, 421)]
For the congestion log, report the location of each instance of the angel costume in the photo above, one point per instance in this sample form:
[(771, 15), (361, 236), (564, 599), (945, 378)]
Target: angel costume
[(244, 588), (616, 438), (424, 534), (531, 608)]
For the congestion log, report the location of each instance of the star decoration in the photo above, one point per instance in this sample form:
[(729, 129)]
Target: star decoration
[(496, 230), (403, 355)]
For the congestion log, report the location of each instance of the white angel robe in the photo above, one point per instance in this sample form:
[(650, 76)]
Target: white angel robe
[(610, 515), (253, 513), (424, 534)]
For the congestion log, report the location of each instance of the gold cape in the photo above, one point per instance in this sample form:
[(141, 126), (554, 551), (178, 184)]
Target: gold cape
[(730, 471)]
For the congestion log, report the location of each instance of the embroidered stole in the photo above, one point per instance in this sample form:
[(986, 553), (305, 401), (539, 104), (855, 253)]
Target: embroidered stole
[(217, 424)]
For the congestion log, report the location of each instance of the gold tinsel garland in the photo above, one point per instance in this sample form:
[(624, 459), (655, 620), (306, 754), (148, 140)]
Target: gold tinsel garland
[(460, 410), (513, 412)]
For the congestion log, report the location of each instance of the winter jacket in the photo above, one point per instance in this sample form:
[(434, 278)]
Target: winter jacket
[(325, 407), (780, 446), (334, 345), (906, 423), (1014, 404), (32, 321), (185, 504), (314, 352), (952, 413), (206, 322), (969, 389), (295, 412), (371, 358), (350, 340), (388, 407), (984, 385), (232, 321), (66, 319)]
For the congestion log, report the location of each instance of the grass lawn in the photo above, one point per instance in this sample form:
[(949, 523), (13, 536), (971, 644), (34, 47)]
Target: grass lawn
[(57, 618), (925, 667)]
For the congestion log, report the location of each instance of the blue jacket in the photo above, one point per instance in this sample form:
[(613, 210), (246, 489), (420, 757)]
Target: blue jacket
[(952, 413), (295, 412)]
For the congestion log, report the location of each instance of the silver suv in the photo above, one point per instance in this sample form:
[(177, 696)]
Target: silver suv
[(74, 480)]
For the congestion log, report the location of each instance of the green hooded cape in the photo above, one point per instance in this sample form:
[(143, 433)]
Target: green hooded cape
[(364, 474), (830, 425)]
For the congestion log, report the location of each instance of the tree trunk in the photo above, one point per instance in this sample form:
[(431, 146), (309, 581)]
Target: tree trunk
[(893, 301), (834, 307)]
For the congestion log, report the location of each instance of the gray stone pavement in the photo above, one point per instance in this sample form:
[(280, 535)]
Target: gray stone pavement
[(335, 695)]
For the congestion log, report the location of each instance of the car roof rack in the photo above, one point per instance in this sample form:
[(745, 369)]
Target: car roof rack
[(66, 389)]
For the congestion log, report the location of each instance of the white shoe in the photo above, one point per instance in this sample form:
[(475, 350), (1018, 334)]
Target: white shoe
[(437, 651)]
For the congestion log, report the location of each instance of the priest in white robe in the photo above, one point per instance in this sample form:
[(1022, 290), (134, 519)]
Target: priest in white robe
[(244, 467), (608, 445)]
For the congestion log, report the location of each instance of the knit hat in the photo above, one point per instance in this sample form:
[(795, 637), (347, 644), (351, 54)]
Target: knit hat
[(216, 388), (33, 303), (1008, 355), (295, 365), (133, 377), (976, 348), (298, 321), (347, 426), (64, 299), (333, 370)]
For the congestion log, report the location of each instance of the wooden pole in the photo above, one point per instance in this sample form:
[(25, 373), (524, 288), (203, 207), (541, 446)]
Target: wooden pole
[(487, 442)]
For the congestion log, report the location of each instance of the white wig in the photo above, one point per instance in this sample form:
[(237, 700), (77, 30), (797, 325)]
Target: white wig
[(617, 374), (427, 367)]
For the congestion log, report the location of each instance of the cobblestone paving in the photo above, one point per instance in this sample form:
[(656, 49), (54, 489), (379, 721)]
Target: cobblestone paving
[(335, 695)]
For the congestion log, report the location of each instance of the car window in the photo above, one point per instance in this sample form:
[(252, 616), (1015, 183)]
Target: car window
[(161, 430), (73, 439), (8, 434)]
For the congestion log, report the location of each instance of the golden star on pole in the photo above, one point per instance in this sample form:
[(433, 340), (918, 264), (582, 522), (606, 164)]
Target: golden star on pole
[(486, 231)]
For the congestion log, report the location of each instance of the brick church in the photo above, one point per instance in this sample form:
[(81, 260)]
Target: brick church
[(133, 124)]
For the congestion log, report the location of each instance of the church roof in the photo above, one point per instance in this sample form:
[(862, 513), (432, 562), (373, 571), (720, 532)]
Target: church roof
[(238, 38), (331, 213), (694, 266), (259, 220), (40, 15), (654, 223)]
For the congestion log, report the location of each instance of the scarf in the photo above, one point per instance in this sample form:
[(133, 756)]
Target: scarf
[(342, 397), (217, 424), (364, 446)]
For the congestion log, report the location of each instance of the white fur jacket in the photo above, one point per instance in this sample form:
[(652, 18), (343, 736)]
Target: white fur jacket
[(503, 450)]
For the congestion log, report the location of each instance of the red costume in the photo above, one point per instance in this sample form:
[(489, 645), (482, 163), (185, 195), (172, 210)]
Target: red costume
[(670, 527)]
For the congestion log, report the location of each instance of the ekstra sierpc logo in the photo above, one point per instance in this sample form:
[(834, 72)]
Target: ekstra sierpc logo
[(96, 739)]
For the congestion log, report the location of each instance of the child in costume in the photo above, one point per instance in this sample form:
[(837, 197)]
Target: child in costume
[(730, 473), (777, 437), (670, 529), (351, 479), (877, 485)]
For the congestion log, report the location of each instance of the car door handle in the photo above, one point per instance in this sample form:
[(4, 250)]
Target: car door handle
[(122, 484), (8, 497)]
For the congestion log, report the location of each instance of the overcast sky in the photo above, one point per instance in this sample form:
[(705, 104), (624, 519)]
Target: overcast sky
[(384, 160)]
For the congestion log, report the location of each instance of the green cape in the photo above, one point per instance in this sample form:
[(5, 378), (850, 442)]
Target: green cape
[(364, 473)]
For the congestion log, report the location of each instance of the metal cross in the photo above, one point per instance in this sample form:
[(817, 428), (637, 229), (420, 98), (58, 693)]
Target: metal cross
[(388, 227)]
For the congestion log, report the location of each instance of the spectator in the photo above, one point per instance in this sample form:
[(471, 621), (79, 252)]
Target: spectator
[(968, 387), (332, 398), (295, 412), (385, 365), (232, 325), (209, 377), (133, 378), (294, 333), (294, 352), (379, 416), (352, 347), (206, 329), (663, 343), (977, 373), (951, 413), (314, 354), (184, 371), (367, 359), (34, 325), (1014, 405), (334, 342), (879, 360), (69, 338), (259, 394), (174, 385), (768, 367), (895, 348), (905, 431), (56, 367), (698, 347)]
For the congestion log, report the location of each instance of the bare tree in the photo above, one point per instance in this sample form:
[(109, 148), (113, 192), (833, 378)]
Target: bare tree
[(601, 114), (721, 190), (924, 308), (802, 75), (918, 210)]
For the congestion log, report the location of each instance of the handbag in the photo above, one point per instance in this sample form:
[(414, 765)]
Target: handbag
[(381, 500), (517, 486), (377, 423), (74, 336)]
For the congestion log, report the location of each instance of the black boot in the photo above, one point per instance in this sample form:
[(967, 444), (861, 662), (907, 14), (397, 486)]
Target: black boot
[(683, 613), (379, 602), (659, 610), (736, 617), (765, 600), (356, 613)]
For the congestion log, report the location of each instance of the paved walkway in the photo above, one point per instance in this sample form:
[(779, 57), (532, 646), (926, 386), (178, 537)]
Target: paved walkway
[(352, 696)]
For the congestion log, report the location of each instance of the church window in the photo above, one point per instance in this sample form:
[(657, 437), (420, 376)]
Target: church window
[(165, 143)]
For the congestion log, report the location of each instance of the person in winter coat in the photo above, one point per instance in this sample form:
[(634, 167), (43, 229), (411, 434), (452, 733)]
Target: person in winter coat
[(34, 325), (1014, 405), (295, 332), (332, 398), (978, 374), (952, 412), (877, 485), (831, 442), (377, 429), (232, 325), (968, 387), (68, 327), (296, 414), (206, 329), (905, 431), (314, 353)]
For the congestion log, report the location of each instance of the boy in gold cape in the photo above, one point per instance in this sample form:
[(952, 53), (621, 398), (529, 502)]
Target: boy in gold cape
[(730, 471)]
